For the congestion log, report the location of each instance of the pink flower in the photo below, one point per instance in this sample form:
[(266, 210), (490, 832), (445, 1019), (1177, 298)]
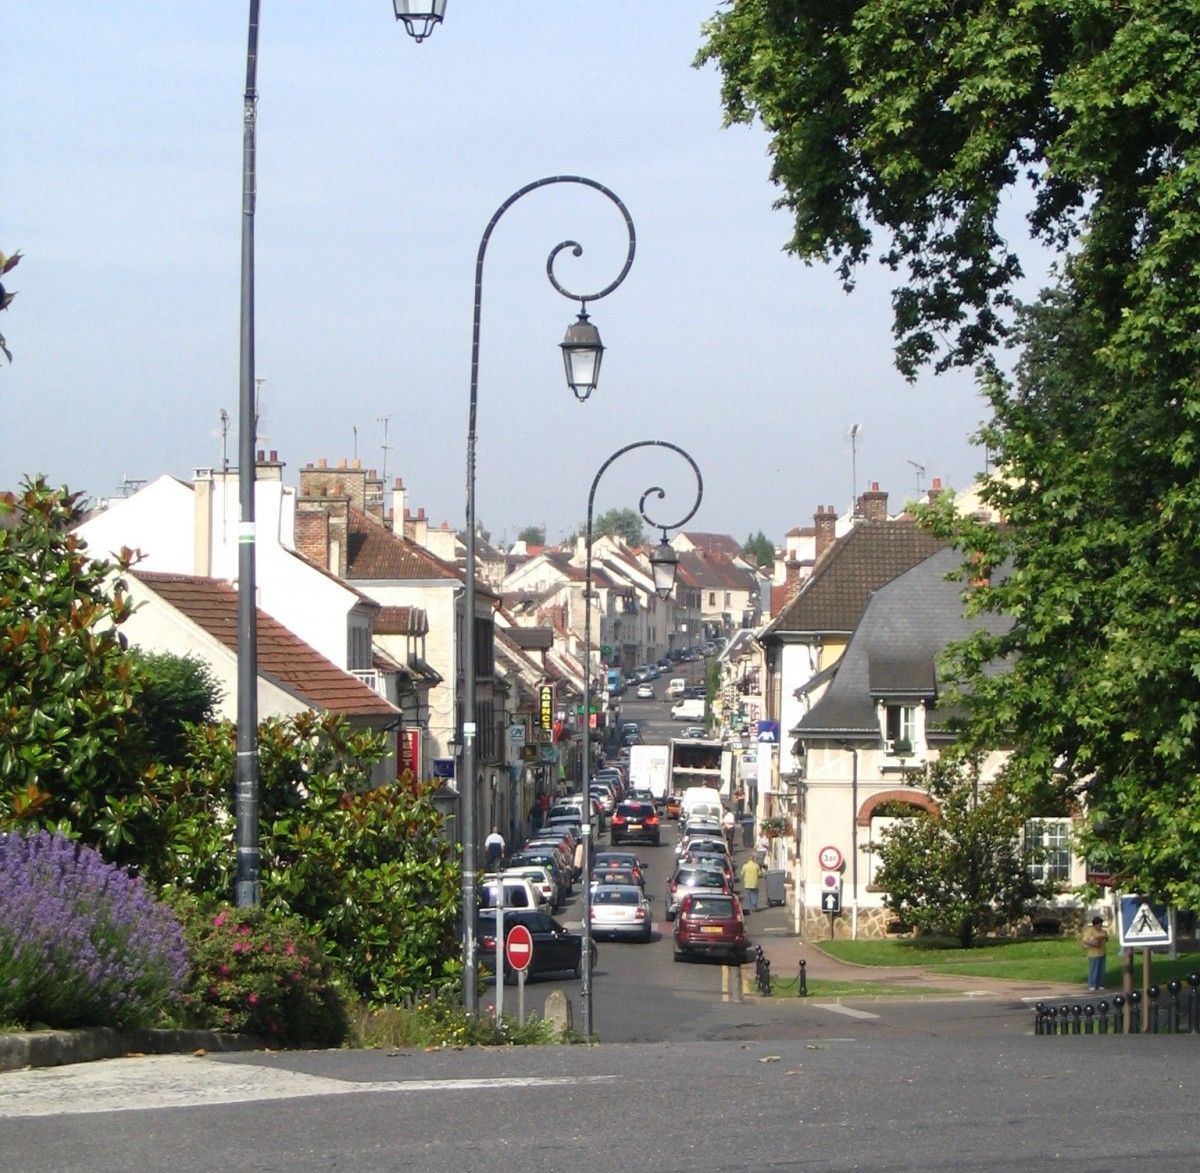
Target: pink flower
[(224, 970), (214, 989), (289, 948), (266, 946), (296, 975), (218, 920), (244, 929), (252, 999)]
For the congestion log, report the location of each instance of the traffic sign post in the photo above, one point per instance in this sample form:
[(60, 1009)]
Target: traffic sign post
[(1141, 924), (831, 893), (830, 859), (518, 948)]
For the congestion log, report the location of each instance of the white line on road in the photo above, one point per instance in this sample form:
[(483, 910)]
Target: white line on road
[(173, 1081), (849, 1011)]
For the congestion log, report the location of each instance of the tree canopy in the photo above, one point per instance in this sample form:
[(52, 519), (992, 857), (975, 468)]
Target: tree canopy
[(900, 129), (621, 523), (533, 535), (760, 550)]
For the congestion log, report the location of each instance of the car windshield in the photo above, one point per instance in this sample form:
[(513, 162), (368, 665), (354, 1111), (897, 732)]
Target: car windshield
[(623, 895), (701, 878), (719, 906), (614, 876)]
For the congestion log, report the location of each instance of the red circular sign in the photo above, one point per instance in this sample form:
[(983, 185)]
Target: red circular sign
[(518, 947)]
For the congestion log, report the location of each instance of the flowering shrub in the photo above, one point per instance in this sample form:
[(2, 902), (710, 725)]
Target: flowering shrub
[(82, 943), (259, 973)]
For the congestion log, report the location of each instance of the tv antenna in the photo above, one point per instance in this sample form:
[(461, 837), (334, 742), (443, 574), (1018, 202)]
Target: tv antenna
[(258, 412), (853, 466), (920, 471), (383, 419), (224, 440)]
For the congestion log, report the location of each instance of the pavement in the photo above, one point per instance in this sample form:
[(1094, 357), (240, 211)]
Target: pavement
[(772, 929)]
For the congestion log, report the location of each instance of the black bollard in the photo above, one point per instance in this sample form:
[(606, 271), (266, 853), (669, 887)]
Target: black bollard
[(1193, 980), (1039, 1018), (1152, 1025), (1135, 1015), (1088, 1011), (803, 978), (1052, 1013), (1119, 1014), (1173, 988), (1103, 1008), (1076, 1011)]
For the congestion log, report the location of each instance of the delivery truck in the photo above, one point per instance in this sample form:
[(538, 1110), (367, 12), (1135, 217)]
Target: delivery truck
[(694, 762), (648, 770)]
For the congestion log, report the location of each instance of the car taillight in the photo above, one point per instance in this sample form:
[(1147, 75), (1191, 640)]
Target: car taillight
[(618, 819), (652, 820), (640, 914)]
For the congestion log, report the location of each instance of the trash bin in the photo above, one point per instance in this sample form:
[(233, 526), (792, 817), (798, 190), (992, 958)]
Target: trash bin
[(776, 891), (747, 830)]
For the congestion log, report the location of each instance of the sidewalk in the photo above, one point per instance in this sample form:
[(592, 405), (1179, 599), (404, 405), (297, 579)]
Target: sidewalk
[(772, 929)]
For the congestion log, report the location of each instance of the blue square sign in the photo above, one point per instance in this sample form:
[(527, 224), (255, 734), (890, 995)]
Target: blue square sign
[(1143, 923)]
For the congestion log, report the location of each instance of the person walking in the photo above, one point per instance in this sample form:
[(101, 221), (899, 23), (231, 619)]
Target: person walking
[(751, 874), (727, 824), (493, 849), (1095, 941)]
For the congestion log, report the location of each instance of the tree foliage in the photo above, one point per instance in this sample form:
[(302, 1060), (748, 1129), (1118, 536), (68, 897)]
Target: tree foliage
[(176, 691), (71, 747), (760, 550), (533, 535), (7, 263), (621, 523), (959, 870), (366, 868)]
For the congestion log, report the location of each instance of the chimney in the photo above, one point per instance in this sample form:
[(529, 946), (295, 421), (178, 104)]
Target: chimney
[(825, 521), (312, 532), (874, 504), (936, 490), (792, 579), (399, 504)]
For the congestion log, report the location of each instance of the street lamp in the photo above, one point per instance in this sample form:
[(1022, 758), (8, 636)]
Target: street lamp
[(664, 563), (419, 17), (581, 352)]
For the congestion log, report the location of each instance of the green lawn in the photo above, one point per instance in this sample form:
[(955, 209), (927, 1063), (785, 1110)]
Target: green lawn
[(1039, 960)]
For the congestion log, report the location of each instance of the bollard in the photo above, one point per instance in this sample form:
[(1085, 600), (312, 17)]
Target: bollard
[(1103, 1008), (803, 978), (1135, 1017), (1119, 1014), (1039, 1018), (1173, 988), (1193, 980), (1088, 1011), (1052, 1011), (1152, 1022), (1076, 1011)]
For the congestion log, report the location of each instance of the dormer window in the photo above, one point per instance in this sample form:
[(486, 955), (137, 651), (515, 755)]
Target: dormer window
[(900, 728)]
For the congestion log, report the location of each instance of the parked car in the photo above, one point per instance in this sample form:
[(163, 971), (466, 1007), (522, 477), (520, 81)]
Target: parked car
[(556, 949), (620, 859), (609, 877), (673, 806), (545, 857), (542, 879), (645, 691), (675, 688), (695, 692), (689, 878), (711, 924), (634, 820), (621, 910), (518, 891)]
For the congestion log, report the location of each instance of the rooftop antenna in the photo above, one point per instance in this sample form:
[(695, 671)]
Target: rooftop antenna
[(383, 419), (354, 429), (920, 470), (130, 484), (853, 466), (258, 413), (224, 440)]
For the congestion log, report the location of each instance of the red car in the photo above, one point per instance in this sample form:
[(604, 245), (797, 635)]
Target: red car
[(711, 924)]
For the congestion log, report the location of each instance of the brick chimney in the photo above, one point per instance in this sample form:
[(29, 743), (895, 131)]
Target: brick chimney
[(792, 580), (312, 532), (825, 521), (936, 490), (873, 504)]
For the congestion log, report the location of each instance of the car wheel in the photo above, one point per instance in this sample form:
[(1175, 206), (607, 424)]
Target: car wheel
[(648, 935), (680, 955)]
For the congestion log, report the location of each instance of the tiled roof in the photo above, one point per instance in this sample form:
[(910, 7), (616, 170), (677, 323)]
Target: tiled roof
[(714, 572), (402, 621), (212, 605), (722, 544), (855, 566), (374, 552)]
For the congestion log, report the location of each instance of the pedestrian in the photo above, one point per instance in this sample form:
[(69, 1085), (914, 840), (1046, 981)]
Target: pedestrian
[(750, 877), (1095, 941), (739, 798), (761, 848), (543, 805), (727, 825), (493, 849)]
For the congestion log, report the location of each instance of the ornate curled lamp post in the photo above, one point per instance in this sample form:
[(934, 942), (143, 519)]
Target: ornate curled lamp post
[(664, 563), (419, 17), (582, 352)]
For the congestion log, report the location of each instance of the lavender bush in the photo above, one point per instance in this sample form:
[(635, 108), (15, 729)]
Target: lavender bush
[(82, 943)]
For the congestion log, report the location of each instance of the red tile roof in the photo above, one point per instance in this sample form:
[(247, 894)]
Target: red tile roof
[(282, 655)]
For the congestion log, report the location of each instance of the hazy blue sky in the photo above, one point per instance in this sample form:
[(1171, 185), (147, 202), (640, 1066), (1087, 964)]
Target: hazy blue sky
[(380, 163)]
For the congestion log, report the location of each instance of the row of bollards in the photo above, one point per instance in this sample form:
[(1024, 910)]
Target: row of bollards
[(1177, 1013)]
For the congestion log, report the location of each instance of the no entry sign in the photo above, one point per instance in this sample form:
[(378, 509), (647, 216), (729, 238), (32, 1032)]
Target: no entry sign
[(518, 947)]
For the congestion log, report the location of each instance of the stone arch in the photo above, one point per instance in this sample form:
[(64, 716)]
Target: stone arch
[(912, 797)]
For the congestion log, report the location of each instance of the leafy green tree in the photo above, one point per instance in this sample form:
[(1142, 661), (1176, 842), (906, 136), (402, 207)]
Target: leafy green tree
[(366, 868), (71, 746), (760, 550), (959, 870), (913, 121), (533, 535), (176, 691), (622, 523)]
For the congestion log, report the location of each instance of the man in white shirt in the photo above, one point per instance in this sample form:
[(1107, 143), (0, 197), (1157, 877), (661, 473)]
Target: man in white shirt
[(493, 848)]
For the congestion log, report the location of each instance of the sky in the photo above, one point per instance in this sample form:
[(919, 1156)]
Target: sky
[(380, 163)]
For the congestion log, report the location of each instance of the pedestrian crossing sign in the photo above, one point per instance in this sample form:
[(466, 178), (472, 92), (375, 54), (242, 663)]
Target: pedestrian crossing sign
[(1143, 923)]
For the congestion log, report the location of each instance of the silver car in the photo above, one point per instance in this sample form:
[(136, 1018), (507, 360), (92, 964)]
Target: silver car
[(621, 910)]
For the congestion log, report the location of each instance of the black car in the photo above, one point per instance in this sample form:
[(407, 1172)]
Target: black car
[(633, 820), (556, 949)]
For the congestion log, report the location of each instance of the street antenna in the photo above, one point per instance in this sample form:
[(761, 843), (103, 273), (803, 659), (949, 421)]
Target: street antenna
[(383, 419), (920, 471)]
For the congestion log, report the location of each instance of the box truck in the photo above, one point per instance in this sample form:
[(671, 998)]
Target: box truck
[(648, 769)]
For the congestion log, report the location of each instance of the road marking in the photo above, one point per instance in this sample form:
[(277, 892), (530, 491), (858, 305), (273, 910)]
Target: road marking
[(174, 1081), (849, 1011)]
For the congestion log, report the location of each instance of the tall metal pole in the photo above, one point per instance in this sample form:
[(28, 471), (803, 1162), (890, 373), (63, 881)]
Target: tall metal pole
[(468, 782), (246, 886), (654, 490)]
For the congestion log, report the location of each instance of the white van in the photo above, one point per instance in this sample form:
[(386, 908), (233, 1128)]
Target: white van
[(518, 892), (675, 687), (701, 800)]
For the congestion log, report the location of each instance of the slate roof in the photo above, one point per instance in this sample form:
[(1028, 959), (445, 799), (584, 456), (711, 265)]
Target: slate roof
[(894, 650), (531, 639), (283, 657), (834, 597), (719, 544), (714, 572)]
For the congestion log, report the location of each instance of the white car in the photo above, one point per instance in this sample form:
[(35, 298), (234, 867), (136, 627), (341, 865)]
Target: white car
[(621, 910), (645, 691)]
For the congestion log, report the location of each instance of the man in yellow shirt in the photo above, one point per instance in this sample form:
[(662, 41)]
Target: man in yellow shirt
[(1095, 941), (751, 873)]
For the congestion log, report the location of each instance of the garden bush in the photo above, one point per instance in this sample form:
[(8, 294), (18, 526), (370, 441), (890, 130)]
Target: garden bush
[(259, 973), (82, 942)]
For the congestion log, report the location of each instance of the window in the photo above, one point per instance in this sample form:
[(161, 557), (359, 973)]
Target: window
[(1048, 849), (901, 725)]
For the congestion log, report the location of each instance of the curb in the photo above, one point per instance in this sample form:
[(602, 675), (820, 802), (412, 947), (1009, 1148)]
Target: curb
[(54, 1048)]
